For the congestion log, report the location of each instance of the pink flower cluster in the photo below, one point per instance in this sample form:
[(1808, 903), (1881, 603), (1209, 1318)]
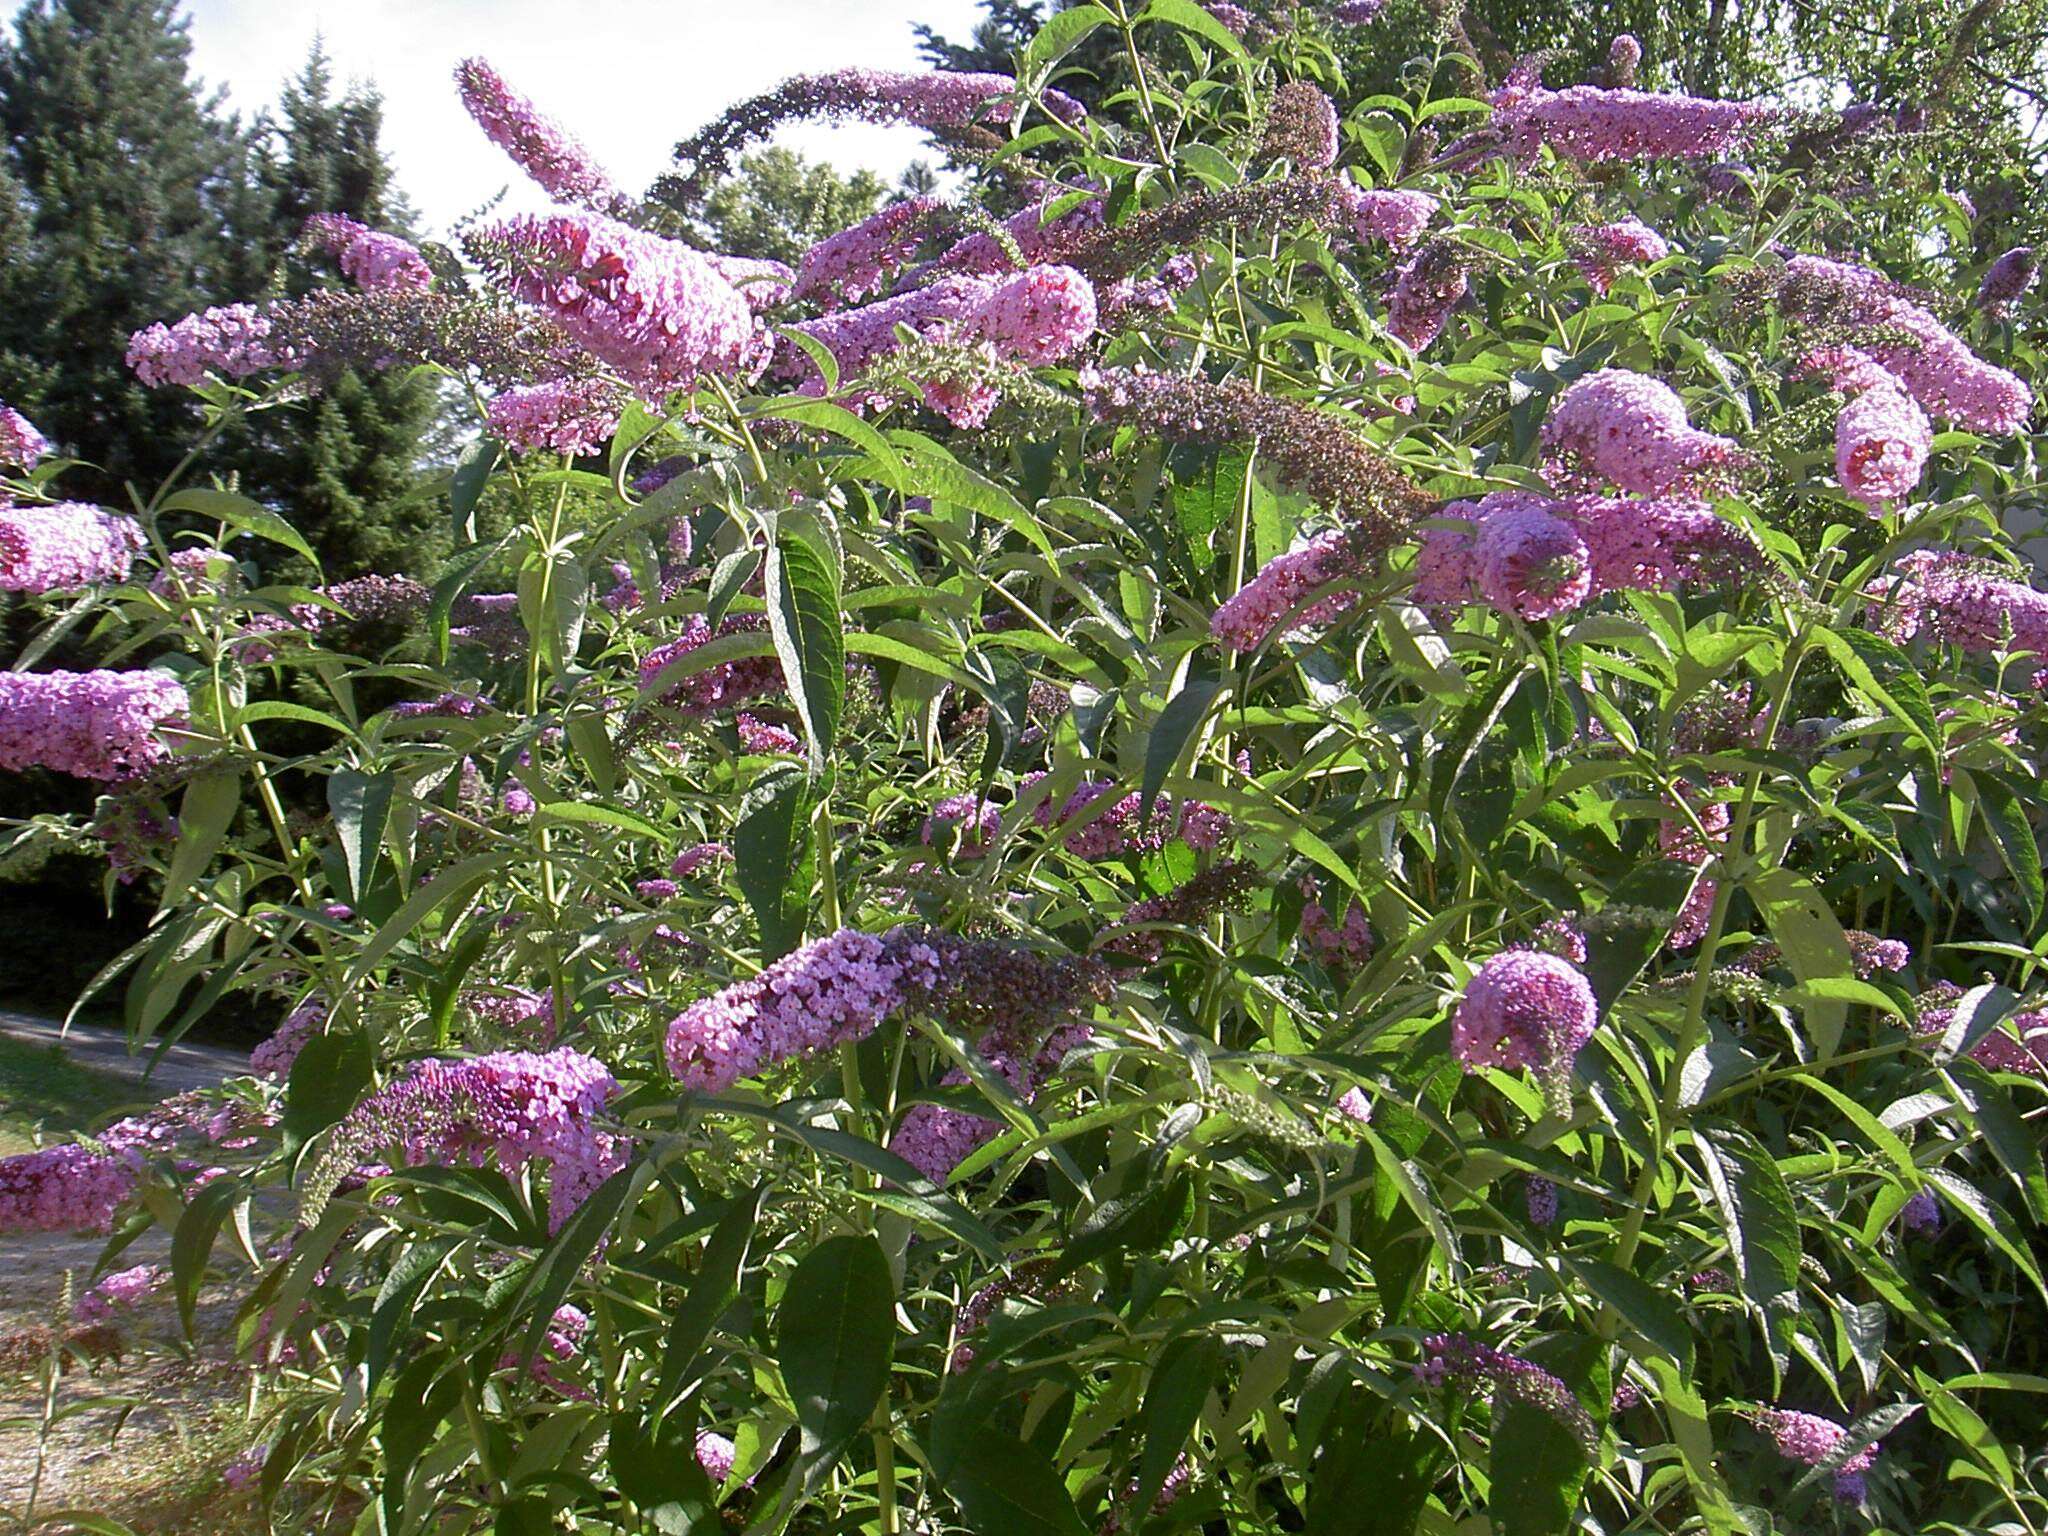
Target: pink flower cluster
[(274, 1057), (64, 1188), (1629, 431), (93, 725), (1235, 17), (1927, 358), (233, 339), (2023, 1052), (541, 147), (1301, 125), (2007, 280), (369, 258), (64, 544), (1338, 945), (1882, 440), (1591, 124), (514, 1106), (1536, 557), (935, 1138), (763, 284), (1113, 830), (1953, 599), (1426, 290), (1397, 217), (1038, 315), (1035, 231), (1281, 592), (1525, 1008), (654, 310), (832, 990), (1598, 249), (761, 737), (1809, 1439), (696, 856), (1356, 13), (969, 818), (21, 445), (1530, 563), (934, 99), (1454, 1358), (721, 685), (572, 416), (859, 262), (122, 1291)]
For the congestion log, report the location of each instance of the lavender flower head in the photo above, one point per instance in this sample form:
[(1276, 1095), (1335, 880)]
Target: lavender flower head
[(1454, 1359), (572, 416), (2007, 280), (1630, 431), (65, 544), (971, 820), (654, 310), (21, 445), (1810, 1439), (1526, 1009), (232, 340), (92, 725), (541, 147), (1301, 125), (374, 261), (1922, 1213), (1282, 591), (122, 1291)]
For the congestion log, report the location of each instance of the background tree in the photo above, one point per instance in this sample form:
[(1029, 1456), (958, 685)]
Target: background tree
[(779, 204), (124, 209), (346, 462)]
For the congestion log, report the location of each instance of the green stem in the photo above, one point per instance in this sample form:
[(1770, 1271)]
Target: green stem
[(1693, 1030), (1145, 106)]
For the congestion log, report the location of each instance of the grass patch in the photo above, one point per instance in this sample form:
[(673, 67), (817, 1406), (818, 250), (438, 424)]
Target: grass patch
[(41, 1089)]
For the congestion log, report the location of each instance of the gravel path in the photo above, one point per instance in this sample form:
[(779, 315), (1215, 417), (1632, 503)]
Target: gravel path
[(148, 1415), (181, 1067)]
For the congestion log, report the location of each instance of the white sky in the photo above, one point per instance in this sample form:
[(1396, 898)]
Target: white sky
[(629, 77)]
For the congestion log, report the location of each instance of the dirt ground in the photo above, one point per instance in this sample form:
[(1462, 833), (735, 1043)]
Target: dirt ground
[(139, 1436)]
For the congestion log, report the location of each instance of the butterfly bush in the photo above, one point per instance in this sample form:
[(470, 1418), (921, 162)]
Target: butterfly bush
[(64, 544), (1364, 758)]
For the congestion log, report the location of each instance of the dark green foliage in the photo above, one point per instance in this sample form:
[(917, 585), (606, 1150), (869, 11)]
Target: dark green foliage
[(780, 204)]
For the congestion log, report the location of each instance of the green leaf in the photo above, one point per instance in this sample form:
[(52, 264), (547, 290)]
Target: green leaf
[(1003, 1486), (657, 1468), (1980, 1011), (1537, 1464), (421, 1397), (1189, 17), (1187, 1370), (584, 814), (192, 1242), (1060, 36), (767, 850), (1763, 1227), (1814, 945), (204, 816), (1898, 691), (1176, 726), (360, 804), (1655, 1319), (838, 420), (802, 587), (2005, 813), (466, 486), (2016, 1146), (329, 1074), (410, 1274), (1686, 1412), (1374, 1474), (1143, 1222), (712, 1290), (1616, 955), (240, 512), (834, 1334)]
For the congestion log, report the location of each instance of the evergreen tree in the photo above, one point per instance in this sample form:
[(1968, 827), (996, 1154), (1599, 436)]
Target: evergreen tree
[(119, 199), (343, 465), (780, 204)]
